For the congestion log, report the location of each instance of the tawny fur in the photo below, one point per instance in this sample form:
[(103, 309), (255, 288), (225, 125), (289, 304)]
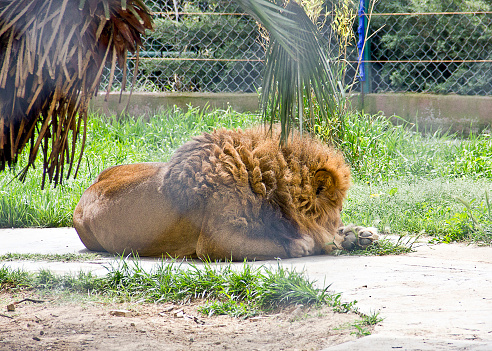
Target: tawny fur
[(227, 194)]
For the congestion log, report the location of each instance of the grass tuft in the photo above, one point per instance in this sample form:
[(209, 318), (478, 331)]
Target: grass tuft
[(265, 288), (229, 307), (386, 246), (474, 223), (366, 321), (14, 279), (240, 291)]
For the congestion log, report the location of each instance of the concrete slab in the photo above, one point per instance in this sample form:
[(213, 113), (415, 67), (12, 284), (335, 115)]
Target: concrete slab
[(436, 298), (377, 342), (40, 241)]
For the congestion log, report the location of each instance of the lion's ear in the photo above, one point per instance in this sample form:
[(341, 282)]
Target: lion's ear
[(323, 181)]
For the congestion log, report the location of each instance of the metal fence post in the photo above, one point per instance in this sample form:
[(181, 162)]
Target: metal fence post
[(367, 51)]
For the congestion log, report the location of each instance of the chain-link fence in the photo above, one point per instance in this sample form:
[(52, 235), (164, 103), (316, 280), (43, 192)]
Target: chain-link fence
[(432, 46), (415, 46), (209, 46)]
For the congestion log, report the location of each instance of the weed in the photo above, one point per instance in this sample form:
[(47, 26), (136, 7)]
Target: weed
[(474, 223), (366, 321), (335, 301), (371, 319), (361, 331)]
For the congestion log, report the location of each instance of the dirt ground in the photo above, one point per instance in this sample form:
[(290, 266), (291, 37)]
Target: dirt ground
[(59, 323)]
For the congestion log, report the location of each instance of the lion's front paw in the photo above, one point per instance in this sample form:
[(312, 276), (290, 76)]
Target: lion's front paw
[(301, 247), (356, 237)]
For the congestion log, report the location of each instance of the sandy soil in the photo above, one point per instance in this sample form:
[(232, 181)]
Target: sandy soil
[(62, 324)]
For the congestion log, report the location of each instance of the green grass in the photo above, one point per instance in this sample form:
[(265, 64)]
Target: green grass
[(409, 183), (366, 321), (14, 279), (405, 182), (239, 291), (263, 288), (380, 151), (425, 206), (386, 246)]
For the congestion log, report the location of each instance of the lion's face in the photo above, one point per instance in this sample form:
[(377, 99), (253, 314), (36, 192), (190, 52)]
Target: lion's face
[(327, 200)]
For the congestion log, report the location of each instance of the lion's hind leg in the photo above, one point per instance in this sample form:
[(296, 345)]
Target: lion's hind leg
[(353, 237)]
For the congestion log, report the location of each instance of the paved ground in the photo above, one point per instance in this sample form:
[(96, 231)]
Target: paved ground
[(436, 298)]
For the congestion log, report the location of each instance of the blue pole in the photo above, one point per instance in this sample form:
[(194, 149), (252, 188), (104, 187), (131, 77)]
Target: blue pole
[(364, 48), (361, 31)]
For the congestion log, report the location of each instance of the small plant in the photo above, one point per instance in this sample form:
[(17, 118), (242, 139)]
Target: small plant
[(475, 222), (11, 279), (361, 331), (335, 301), (366, 321)]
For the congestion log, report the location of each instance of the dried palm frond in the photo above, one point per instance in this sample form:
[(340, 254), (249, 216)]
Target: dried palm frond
[(52, 54)]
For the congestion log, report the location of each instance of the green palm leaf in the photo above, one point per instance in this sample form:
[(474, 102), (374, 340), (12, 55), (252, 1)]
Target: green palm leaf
[(297, 71)]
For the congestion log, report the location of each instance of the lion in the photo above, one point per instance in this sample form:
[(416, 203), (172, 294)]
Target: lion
[(228, 194)]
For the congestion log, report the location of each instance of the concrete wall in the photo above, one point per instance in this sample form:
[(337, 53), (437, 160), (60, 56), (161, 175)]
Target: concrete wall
[(455, 113), (427, 111), (150, 103)]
